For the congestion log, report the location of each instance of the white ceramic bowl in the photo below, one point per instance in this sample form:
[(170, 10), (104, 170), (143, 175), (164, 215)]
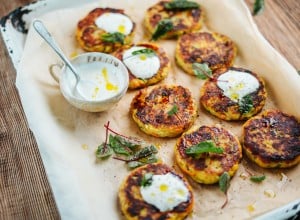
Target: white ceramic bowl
[(109, 74)]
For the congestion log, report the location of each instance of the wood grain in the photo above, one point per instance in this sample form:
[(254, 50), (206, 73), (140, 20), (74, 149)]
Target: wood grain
[(25, 192), (24, 189)]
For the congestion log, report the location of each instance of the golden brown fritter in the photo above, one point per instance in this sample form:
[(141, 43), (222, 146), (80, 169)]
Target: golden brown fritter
[(213, 99), (134, 207), (272, 139), (208, 167), (89, 35), (164, 110), (135, 82), (184, 21), (215, 49)]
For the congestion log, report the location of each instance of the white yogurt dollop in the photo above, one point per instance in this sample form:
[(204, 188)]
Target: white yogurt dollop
[(141, 65), (165, 192), (103, 78), (237, 84), (114, 22)]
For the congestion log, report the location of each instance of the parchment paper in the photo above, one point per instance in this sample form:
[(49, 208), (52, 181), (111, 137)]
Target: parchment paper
[(85, 188)]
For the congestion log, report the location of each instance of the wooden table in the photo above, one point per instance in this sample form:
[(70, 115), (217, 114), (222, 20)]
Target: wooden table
[(25, 192)]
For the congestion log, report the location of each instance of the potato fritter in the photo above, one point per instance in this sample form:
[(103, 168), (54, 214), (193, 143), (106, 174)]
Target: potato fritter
[(90, 36), (164, 110), (134, 207), (214, 101), (208, 167), (215, 49), (272, 139), (184, 21), (138, 82)]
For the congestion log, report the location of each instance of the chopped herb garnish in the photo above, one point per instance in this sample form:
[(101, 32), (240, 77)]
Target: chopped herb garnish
[(181, 5), (113, 37), (147, 179), (130, 150), (258, 7), (173, 110), (258, 179), (103, 151), (224, 183), (245, 104), (163, 27), (146, 51), (202, 70), (203, 147)]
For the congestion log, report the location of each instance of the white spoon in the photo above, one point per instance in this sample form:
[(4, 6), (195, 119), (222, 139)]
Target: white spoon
[(80, 85)]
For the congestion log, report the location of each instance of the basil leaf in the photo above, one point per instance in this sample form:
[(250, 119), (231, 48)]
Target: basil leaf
[(113, 37), (103, 151), (202, 70), (147, 180), (144, 51), (224, 182), (173, 110), (258, 7), (258, 179), (203, 147), (162, 28), (245, 104), (181, 4)]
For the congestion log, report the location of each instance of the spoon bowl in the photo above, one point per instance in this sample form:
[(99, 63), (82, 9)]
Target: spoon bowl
[(82, 88)]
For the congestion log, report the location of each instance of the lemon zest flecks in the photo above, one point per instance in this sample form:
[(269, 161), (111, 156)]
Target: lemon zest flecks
[(95, 92), (108, 85), (121, 28), (251, 208), (73, 54), (143, 57), (163, 187), (84, 146)]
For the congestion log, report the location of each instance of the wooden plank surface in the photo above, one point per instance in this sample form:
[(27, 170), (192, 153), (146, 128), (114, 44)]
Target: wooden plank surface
[(24, 189)]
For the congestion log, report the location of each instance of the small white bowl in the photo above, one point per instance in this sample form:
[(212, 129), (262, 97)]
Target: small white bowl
[(109, 74)]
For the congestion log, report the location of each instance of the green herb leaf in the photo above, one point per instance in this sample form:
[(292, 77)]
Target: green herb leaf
[(258, 7), (181, 4), (118, 146), (203, 147), (113, 37), (258, 179), (162, 28), (103, 152), (147, 160), (147, 180), (202, 70), (144, 152), (298, 72), (224, 182), (146, 51), (245, 104), (173, 110)]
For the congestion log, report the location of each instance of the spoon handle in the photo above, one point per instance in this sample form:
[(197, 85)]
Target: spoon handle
[(42, 30)]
